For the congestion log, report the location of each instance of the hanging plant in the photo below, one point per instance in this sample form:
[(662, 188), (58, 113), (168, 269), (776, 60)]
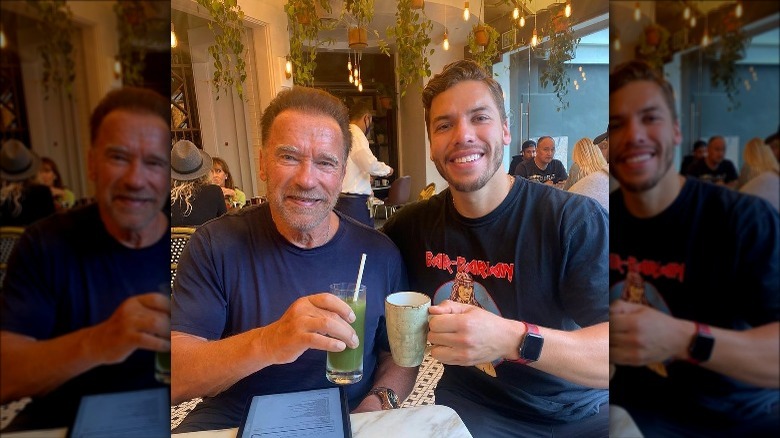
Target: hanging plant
[(412, 37), (228, 50), (134, 25), (483, 52), (561, 48), (723, 71), (304, 37), (55, 20), (653, 47)]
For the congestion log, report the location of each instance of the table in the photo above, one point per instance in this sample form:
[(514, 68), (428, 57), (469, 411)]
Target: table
[(432, 421)]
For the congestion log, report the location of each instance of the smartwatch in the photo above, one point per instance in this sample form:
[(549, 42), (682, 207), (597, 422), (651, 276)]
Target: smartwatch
[(387, 396), (531, 347), (700, 349)]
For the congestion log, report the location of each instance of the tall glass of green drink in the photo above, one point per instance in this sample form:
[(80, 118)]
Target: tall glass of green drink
[(346, 367)]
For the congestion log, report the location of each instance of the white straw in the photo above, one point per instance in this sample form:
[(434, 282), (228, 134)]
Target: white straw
[(360, 276)]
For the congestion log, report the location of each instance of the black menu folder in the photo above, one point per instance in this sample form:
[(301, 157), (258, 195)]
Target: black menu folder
[(145, 413), (321, 413)]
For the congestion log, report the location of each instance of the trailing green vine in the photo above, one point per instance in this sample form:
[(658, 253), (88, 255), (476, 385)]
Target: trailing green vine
[(304, 38), (228, 49), (561, 48), (723, 71), (55, 20), (133, 23), (484, 55), (412, 37)]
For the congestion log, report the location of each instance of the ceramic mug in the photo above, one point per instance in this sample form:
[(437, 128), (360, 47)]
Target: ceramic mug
[(406, 315)]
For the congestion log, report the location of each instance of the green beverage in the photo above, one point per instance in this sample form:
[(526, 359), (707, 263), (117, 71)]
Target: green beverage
[(346, 367), (162, 367)]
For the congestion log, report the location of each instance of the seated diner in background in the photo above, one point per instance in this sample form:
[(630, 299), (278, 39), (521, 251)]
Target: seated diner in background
[(194, 199), (49, 176), (221, 176), (249, 285), (22, 200)]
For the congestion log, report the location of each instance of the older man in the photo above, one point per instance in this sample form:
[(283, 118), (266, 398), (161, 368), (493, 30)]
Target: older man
[(247, 315), (525, 347), (82, 311), (544, 168), (713, 167), (694, 319)]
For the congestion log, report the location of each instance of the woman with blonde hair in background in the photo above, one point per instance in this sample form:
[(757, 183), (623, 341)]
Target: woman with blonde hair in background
[(221, 176), (764, 172), (593, 180), (194, 199)]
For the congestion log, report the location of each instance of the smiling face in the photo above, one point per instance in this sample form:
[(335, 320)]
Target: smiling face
[(303, 164), (642, 136), (467, 136), (129, 162)]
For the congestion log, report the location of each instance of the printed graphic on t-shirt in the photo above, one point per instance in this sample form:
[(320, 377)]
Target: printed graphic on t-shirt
[(463, 289), (635, 289), (542, 178)]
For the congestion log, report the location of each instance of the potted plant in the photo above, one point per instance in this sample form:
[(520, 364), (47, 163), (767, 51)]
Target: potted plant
[(723, 70), (228, 48), (55, 19), (386, 96), (483, 51), (653, 47), (561, 48), (304, 37), (134, 24), (412, 37)]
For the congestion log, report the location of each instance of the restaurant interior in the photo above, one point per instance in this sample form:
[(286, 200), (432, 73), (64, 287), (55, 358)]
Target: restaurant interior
[(552, 58)]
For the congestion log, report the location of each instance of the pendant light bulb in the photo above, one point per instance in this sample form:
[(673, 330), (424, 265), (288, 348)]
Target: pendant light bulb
[(637, 12), (360, 86), (288, 67), (466, 13), (616, 44), (738, 9), (3, 41), (534, 39), (349, 65), (567, 11), (446, 42), (516, 13), (705, 40), (522, 21), (174, 40), (687, 13), (693, 21)]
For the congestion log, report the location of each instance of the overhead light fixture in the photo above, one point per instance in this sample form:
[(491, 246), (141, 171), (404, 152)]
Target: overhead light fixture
[(637, 12), (705, 40), (3, 41), (738, 9), (117, 69), (567, 11), (466, 13), (687, 12), (693, 21), (522, 21), (534, 39), (446, 42), (174, 40), (516, 13), (288, 68)]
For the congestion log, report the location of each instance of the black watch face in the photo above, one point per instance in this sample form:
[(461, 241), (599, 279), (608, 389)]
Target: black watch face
[(702, 348), (532, 347)]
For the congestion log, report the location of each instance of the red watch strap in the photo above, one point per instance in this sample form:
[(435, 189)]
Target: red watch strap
[(701, 330), (529, 328)]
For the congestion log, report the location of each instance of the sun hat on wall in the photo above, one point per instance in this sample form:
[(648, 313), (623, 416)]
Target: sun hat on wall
[(188, 162), (17, 163)]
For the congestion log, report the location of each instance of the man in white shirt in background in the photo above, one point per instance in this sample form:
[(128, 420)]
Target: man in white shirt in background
[(361, 166)]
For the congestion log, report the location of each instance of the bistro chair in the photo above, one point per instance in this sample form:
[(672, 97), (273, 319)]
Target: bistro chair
[(179, 238), (427, 192), (8, 238), (400, 191)]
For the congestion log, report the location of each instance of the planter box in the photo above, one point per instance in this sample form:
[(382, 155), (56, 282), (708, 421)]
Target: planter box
[(358, 38)]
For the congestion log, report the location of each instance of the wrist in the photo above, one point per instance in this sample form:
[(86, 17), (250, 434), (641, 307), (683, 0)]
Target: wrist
[(518, 330)]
